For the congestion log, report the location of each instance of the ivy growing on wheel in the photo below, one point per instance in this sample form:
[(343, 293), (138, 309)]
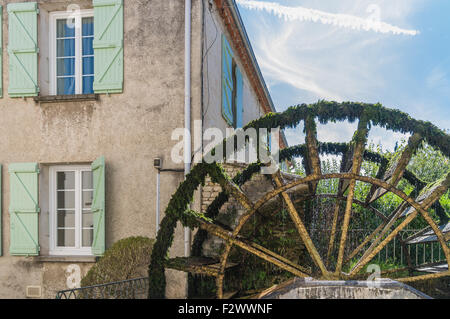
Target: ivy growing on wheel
[(332, 260)]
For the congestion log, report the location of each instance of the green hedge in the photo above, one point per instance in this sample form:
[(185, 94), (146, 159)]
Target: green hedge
[(126, 259)]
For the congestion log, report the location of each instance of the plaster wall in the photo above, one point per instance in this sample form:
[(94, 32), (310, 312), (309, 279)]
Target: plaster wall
[(129, 129), (212, 72)]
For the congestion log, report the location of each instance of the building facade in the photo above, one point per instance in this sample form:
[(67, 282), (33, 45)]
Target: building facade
[(91, 93)]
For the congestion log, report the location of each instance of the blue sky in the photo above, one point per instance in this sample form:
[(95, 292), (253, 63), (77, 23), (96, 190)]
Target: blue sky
[(396, 52)]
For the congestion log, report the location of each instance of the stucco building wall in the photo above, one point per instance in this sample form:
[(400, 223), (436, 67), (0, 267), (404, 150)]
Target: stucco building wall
[(214, 28), (129, 129)]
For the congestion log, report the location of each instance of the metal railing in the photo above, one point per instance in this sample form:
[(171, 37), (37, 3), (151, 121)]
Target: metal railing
[(127, 289), (394, 252)]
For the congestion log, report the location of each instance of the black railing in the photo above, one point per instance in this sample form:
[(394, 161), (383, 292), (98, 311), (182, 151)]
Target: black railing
[(127, 289)]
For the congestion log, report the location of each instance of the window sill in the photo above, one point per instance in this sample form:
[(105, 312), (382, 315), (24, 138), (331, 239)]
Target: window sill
[(66, 98), (66, 259)]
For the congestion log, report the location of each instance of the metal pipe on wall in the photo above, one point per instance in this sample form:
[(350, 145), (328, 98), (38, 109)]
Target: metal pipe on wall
[(158, 178), (187, 109)]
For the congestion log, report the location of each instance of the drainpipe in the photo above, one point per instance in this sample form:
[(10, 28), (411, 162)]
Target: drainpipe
[(158, 218), (187, 109)]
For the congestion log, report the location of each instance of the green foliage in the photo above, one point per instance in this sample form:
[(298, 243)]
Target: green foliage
[(126, 259), (177, 210), (429, 164), (326, 111)]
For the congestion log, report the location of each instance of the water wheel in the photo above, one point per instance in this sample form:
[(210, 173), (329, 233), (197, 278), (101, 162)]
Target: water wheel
[(333, 260)]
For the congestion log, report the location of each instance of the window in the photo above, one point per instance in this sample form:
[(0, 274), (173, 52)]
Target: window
[(71, 217), (71, 53), (232, 87), (65, 42)]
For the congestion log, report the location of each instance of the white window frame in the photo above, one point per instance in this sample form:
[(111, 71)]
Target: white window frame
[(78, 16), (78, 250)]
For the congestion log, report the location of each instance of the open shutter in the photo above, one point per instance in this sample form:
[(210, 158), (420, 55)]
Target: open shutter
[(24, 209), (23, 49), (98, 206), (239, 99), (108, 46), (227, 81)]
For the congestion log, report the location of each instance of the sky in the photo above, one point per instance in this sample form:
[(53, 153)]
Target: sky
[(395, 52)]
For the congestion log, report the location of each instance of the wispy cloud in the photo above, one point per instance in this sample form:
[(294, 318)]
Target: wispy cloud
[(312, 15), (437, 78)]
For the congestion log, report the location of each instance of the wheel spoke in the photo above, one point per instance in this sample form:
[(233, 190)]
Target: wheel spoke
[(312, 250), (333, 230), (312, 151), (387, 226), (341, 185), (360, 139), (391, 236), (364, 243), (345, 224), (397, 168), (425, 277), (427, 197), (255, 249), (229, 186)]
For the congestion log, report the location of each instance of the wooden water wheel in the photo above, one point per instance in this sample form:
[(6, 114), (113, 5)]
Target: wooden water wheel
[(335, 261)]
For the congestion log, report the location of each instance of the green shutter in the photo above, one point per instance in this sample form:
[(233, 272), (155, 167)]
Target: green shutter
[(1, 70), (23, 49), (24, 209), (239, 99), (108, 46), (98, 206), (227, 81)]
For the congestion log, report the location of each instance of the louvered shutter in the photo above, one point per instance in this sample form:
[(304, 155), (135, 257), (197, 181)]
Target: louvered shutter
[(23, 49), (239, 98), (227, 81), (24, 209), (98, 206), (108, 46)]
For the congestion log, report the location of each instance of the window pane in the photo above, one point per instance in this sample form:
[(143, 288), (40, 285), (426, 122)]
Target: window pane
[(88, 221), (66, 238), (65, 66), (66, 219), (88, 48), (87, 199), (88, 84), (88, 235), (65, 47), (88, 65), (66, 86), (66, 199), (66, 180), (65, 30), (88, 26), (87, 180)]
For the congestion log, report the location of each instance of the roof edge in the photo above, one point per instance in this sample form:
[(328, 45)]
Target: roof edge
[(233, 21)]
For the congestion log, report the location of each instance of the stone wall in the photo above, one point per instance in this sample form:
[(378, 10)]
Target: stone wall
[(231, 211), (308, 288)]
